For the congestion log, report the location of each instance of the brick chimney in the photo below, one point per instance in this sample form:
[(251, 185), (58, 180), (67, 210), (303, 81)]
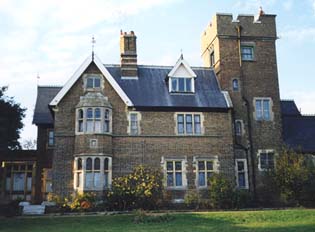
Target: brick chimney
[(128, 54)]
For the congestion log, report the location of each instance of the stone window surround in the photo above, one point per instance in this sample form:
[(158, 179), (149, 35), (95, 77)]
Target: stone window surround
[(86, 76), (245, 171), (139, 117), (93, 141), (265, 151), (184, 172), (216, 166), (93, 156), (103, 109), (242, 127), (270, 108), (238, 85), (192, 113)]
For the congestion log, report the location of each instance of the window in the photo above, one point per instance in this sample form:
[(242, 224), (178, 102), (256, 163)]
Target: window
[(235, 85), (262, 108), (93, 143), (134, 127), (266, 160), (205, 170), (188, 124), (212, 60), (18, 179), (238, 127), (93, 82), (241, 173), (181, 84), (174, 173), (89, 120), (247, 53), (51, 138), (94, 175)]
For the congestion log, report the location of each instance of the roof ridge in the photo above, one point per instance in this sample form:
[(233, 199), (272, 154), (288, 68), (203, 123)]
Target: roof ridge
[(157, 66)]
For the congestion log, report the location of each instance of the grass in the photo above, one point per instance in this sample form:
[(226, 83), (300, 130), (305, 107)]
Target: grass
[(270, 220)]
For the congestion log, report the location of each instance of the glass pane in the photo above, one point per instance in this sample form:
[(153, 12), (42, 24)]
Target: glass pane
[(174, 85), (105, 180), (170, 181), (89, 126), (79, 164), (98, 126), (18, 181), (97, 113), (106, 114), (241, 180), (189, 128), (240, 166), (22, 167), (89, 113), (97, 82), (238, 127), (89, 180), (30, 167), (197, 124), (106, 126), (235, 85), (169, 166), (258, 109), (181, 84), (208, 176), (209, 165), (89, 164), (106, 164), (263, 160), (178, 165), (81, 126), (188, 84), (80, 114), (8, 183), (79, 179), (97, 179), (133, 117), (201, 165), (271, 160), (89, 83), (29, 184), (97, 164), (266, 110), (201, 179), (180, 118), (178, 176)]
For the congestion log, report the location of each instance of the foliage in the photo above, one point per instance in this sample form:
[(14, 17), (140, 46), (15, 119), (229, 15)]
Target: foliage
[(11, 209), (140, 189), (83, 201), (242, 199), (221, 192), (10, 121), (192, 199), (142, 217), (29, 144)]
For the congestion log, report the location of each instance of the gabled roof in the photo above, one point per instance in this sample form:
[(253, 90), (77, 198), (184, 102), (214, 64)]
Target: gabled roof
[(182, 62), (79, 72), (298, 130), (45, 94)]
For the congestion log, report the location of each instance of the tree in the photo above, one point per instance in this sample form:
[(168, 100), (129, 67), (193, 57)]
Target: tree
[(11, 115)]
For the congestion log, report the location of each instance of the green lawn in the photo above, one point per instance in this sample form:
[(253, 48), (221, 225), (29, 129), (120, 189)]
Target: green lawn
[(271, 220)]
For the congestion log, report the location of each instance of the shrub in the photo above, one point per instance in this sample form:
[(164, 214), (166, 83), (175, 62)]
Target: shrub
[(192, 199), (83, 201), (221, 192), (140, 189)]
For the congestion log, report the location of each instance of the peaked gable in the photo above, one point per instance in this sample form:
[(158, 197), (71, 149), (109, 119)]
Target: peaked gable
[(80, 71), (182, 69)]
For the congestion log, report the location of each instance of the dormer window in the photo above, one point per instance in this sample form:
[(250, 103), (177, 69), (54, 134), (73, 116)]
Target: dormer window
[(181, 84)]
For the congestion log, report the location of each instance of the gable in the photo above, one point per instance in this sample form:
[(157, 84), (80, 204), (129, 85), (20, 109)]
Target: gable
[(182, 69), (91, 59)]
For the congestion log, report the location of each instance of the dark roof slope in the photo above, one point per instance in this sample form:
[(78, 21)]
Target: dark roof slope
[(151, 89), (42, 114), (298, 130), (288, 107)]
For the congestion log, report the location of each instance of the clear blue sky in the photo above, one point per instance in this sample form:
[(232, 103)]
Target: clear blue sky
[(52, 38)]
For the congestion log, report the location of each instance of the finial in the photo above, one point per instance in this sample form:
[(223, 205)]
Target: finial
[(38, 78), (93, 42), (181, 54), (261, 12)]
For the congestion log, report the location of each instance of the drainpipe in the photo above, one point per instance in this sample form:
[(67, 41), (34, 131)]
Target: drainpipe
[(247, 104)]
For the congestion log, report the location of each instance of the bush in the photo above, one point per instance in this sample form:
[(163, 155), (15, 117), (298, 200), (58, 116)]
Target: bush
[(83, 202), (140, 189), (221, 192), (192, 199)]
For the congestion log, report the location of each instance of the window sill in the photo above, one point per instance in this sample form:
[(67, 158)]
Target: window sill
[(176, 188)]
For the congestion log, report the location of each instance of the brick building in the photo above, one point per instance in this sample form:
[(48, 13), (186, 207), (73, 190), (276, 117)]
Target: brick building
[(189, 121)]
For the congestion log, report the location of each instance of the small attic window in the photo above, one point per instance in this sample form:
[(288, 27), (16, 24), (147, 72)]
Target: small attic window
[(93, 82), (181, 84)]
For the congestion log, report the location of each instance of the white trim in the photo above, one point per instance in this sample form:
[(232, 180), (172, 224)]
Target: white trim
[(245, 172), (227, 99), (80, 71), (216, 166), (183, 62), (139, 117), (265, 151), (202, 129)]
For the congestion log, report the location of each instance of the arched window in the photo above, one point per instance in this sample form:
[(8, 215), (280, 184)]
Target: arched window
[(235, 85), (79, 164), (97, 120), (89, 120), (238, 127), (80, 120), (97, 164), (97, 172), (89, 164), (106, 171), (106, 121)]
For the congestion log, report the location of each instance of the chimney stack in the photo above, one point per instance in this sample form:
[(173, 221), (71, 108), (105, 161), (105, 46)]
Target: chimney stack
[(128, 54)]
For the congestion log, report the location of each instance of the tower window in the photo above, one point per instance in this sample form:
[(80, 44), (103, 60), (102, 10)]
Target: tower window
[(212, 60), (247, 52), (238, 127), (263, 109), (235, 85)]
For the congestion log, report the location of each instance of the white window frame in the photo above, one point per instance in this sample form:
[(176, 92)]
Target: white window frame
[(262, 99), (245, 173), (266, 151), (215, 164), (240, 122), (101, 119), (93, 76), (183, 171), (50, 137), (81, 186), (129, 129), (192, 85), (236, 80), (201, 116)]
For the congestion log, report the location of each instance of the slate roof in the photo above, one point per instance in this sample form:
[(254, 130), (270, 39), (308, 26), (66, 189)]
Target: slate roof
[(151, 89), (42, 114), (298, 130)]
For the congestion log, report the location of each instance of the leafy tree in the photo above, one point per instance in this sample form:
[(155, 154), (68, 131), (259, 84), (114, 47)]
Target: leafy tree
[(11, 115)]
